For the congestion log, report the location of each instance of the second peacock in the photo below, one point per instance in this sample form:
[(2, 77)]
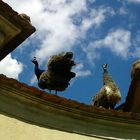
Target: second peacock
[(109, 95)]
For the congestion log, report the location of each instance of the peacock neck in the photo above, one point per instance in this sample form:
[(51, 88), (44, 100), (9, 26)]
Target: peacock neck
[(38, 71), (105, 71), (36, 67), (107, 79)]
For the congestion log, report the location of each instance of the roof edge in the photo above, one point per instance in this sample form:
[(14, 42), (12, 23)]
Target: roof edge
[(66, 104)]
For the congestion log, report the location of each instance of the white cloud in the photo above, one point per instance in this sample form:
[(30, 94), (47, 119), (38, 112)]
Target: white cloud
[(133, 1), (91, 1), (33, 80), (136, 52), (118, 41), (10, 67), (136, 43), (123, 11), (52, 18), (54, 24), (62, 33), (96, 17), (81, 71), (137, 39)]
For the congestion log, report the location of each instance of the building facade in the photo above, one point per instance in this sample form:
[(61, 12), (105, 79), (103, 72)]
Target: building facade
[(28, 113)]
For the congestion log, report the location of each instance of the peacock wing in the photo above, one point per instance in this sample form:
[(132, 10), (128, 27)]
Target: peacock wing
[(59, 72), (51, 83), (61, 63), (59, 67)]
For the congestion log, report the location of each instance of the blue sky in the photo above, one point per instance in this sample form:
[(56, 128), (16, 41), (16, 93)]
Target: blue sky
[(97, 31)]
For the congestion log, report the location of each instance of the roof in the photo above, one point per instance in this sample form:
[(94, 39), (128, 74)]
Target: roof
[(31, 105), (9, 82), (14, 29)]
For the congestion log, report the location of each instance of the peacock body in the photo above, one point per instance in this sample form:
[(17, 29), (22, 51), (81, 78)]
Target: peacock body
[(58, 75), (109, 95)]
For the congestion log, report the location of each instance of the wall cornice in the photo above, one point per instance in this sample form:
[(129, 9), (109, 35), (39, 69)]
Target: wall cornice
[(40, 108)]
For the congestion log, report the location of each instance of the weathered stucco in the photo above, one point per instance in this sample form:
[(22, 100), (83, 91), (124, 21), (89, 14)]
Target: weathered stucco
[(13, 129)]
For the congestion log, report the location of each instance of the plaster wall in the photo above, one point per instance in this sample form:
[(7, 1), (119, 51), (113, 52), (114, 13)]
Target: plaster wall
[(13, 129)]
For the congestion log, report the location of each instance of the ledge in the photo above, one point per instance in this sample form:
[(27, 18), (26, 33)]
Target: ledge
[(47, 110), (13, 29)]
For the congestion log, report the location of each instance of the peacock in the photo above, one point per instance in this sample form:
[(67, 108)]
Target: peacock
[(58, 74), (109, 95)]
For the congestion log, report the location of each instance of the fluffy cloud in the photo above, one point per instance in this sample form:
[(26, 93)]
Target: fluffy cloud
[(52, 20), (81, 71), (123, 11), (136, 43), (133, 1), (33, 80), (10, 67), (136, 53), (96, 17), (137, 39), (118, 41), (55, 25)]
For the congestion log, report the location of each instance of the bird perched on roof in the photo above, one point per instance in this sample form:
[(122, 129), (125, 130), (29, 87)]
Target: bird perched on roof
[(109, 95), (59, 73)]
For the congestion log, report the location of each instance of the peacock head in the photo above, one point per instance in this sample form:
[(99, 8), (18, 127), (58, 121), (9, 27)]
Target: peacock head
[(104, 66), (34, 61)]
